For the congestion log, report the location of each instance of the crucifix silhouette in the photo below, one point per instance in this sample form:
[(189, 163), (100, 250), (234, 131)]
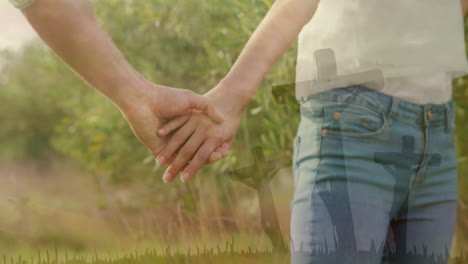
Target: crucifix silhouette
[(402, 175), (334, 187), (258, 176), (330, 190), (326, 77)]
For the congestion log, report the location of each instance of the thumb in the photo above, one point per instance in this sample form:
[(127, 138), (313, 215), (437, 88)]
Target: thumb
[(202, 103)]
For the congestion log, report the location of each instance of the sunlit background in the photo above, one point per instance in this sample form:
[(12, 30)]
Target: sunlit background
[(72, 175), (14, 29)]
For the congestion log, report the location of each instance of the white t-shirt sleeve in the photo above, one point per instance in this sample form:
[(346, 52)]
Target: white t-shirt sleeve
[(21, 3)]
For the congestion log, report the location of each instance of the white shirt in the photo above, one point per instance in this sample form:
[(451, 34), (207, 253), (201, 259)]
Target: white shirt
[(418, 44)]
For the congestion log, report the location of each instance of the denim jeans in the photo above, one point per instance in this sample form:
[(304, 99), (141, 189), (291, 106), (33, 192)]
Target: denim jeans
[(375, 179)]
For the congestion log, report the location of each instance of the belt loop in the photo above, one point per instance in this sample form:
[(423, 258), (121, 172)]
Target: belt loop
[(424, 115), (393, 109), (447, 121)]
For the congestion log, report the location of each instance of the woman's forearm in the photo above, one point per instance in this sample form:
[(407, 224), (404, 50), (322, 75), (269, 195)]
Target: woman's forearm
[(276, 33), (70, 28)]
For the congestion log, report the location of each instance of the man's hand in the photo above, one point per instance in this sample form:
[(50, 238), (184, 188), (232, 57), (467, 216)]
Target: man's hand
[(200, 140), (69, 27)]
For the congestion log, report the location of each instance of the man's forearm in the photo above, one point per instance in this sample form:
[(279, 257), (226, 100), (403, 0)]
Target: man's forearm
[(278, 30), (70, 28), (464, 4)]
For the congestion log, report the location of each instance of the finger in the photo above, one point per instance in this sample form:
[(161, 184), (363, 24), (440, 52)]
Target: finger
[(172, 125), (167, 161), (185, 154), (214, 114), (225, 149), (202, 103), (215, 156), (159, 149), (220, 153), (199, 160), (175, 142)]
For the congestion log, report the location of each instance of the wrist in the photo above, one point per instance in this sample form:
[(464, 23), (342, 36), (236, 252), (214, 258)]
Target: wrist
[(129, 93), (239, 92)]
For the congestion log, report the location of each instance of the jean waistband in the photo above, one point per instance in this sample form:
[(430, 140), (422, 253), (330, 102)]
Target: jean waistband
[(419, 114)]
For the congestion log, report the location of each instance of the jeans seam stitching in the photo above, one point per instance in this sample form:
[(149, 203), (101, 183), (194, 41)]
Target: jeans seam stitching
[(318, 168)]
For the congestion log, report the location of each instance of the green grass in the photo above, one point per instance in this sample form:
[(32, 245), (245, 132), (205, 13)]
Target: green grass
[(204, 256)]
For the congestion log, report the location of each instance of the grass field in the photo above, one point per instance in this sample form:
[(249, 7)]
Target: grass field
[(60, 210), (55, 214), (205, 256)]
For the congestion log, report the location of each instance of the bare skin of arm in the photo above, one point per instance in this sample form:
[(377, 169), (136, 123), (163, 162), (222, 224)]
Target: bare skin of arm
[(464, 7), (70, 28), (198, 137)]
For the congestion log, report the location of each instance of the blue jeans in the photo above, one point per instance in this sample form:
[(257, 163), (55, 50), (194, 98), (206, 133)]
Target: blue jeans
[(375, 179)]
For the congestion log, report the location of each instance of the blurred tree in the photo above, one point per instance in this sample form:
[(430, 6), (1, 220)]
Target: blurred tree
[(45, 108), (184, 44)]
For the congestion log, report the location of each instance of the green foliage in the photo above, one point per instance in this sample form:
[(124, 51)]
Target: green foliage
[(183, 44), (30, 100), (460, 90), (45, 108)]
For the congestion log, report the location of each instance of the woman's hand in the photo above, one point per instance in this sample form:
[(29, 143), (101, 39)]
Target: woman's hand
[(191, 146)]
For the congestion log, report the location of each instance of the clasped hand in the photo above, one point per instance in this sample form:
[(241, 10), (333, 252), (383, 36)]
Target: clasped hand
[(195, 140)]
